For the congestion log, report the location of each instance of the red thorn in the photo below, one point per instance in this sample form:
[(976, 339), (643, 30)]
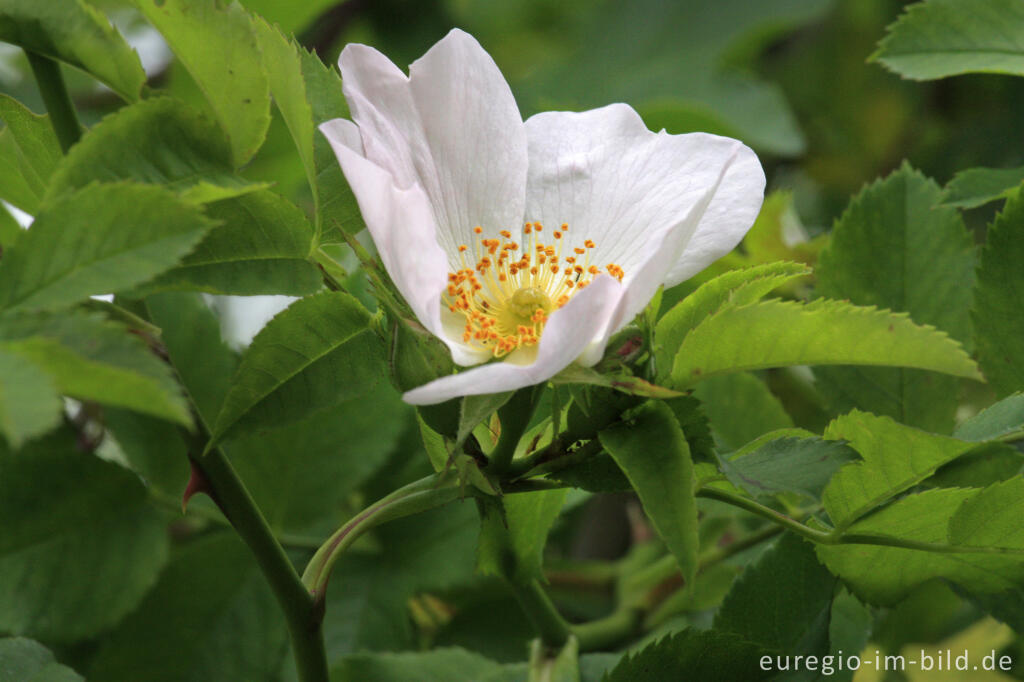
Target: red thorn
[(197, 483)]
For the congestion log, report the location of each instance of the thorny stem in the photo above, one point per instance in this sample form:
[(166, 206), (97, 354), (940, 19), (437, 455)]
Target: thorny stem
[(55, 96)]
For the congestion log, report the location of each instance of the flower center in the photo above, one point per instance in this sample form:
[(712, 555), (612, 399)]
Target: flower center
[(507, 295)]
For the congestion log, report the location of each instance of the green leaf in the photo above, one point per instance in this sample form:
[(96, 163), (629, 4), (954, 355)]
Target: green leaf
[(29, 152), (80, 546), (740, 408), (894, 248), (884, 575), (788, 464), (159, 141), (316, 353), (215, 42), (708, 656), (548, 666), (782, 601), (286, 14), (994, 422), (261, 246), (998, 324), (526, 522), (308, 93), (10, 229), (598, 474), (739, 286), (92, 359), (823, 332), (25, 660), (114, 237), (894, 458), (690, 414), (437, 665), (940, 38), (210, 617), (29, 403), (991, 518), (978, 186), (75, 33), (632, 385), (653, 453)]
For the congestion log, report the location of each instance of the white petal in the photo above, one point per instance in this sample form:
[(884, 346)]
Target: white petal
[(452, 127), (567, 334), (402, 226)]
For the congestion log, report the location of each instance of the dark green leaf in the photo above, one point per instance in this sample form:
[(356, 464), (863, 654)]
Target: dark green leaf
[(894, 248), (690, 414), (598, 474), (159, 141), (210, 617), (991, 518), (113, 237), (526, 522), (316, 353), (653, 453), (798, 465), (437, 665), (549, 666), (215, 42), (998, 323), (995, 421), (740, 408), (80, 546), (29, 152), (29, 403), (75, 33), (24, 660), (978, 186), (708, 656)]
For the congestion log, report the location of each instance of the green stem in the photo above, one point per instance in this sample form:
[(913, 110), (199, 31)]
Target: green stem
[(551, 627), (514, 417), (301, 612), (1012, 436), (607, 631), (55, 96), (768, 513)]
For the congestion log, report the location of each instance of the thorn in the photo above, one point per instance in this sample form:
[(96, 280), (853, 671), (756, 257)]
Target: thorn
[(197, 483)]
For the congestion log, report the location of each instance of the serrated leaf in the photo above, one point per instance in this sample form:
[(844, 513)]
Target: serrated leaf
[(894, 458), (788, 465), (690, 414), (314, 354), (823, 332), (29, 402), (884, 575), (159, 141), (894, 248), (708, 656), (25, 660), (260, 246), (210, 598), (215, 42), (29, 152), (781, 601), (75, 33), (652, 451), (992, 517), (598, 474), (92, 359), (308, 93), (998, 323), (740, 408), (113, 236), (940, 38), (995, 421), (80, 545), (978, 186), (746, 285)]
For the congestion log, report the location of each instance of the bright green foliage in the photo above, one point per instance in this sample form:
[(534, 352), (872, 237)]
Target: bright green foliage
[(260, 246), (575, 374), (91, 359), (117, 235), (29, 403), (1003, 418), (823, 332), (782, 601), (998, 322), (216, 44), (25, 660), (527, 521), (788, 464), (290, 16), (75, 33), (991, 518), (940, 38), (316, 353), (10, 230), (740, 408), (708, 655), (438, 665), (652, 451), (210, 617), (308, 93), (29, 152), (159, 141), (894, 248), (80, 547), (895, 458), (978, 186), (884, 575), (747, 285)]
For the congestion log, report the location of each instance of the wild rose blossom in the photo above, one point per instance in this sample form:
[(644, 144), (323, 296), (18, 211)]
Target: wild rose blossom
[(526, 243)]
